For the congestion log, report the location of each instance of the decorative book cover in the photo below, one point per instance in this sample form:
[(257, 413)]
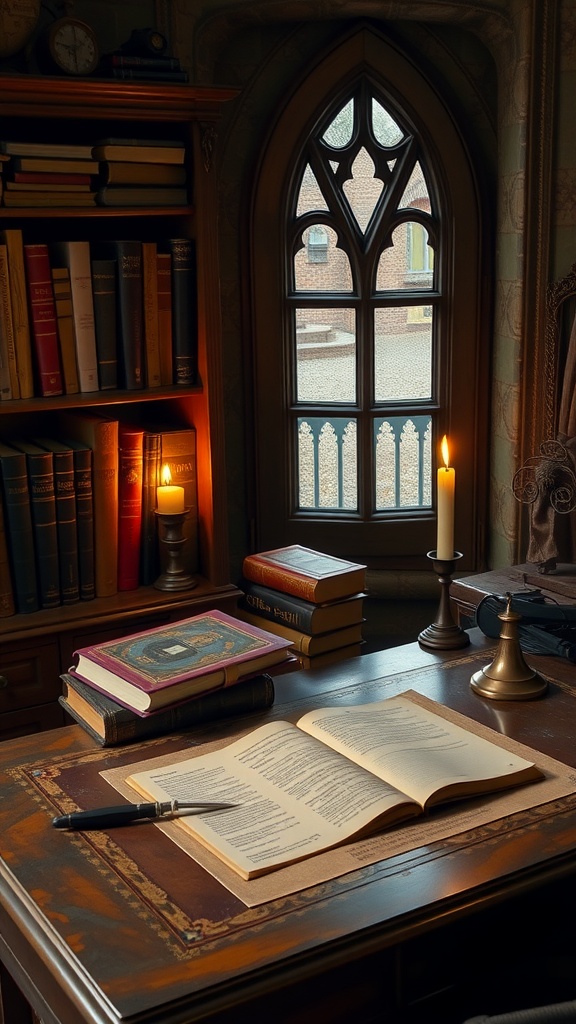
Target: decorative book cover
[(9, 377), (167, 664), (312, 575)]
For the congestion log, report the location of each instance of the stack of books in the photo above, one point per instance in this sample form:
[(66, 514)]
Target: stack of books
[(140, 172), (37, 174), (149, 68), (310, 598), (171, 677)]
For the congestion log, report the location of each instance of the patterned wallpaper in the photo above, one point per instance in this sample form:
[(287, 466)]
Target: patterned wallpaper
[(246, 42)]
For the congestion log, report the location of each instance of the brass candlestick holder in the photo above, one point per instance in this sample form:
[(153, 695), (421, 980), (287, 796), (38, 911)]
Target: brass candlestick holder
[(508, 677), (444, 634), (171, 535)]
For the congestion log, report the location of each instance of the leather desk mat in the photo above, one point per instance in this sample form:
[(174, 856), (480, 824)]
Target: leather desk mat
[(175, 893)]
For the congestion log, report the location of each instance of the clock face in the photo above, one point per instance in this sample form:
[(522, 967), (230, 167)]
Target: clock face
[(73, 47)]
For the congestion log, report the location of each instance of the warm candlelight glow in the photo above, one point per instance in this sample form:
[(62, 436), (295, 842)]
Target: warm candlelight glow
[(169, 497), (446, 488)]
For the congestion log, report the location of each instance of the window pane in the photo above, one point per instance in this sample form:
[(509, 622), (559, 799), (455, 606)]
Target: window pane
[(327, 463), (310, 196), (339, 132), (384, 126), (397, 266), (402, 355), (320, 265), (403, 466), (363, 190), (325, 355), (416, 192)]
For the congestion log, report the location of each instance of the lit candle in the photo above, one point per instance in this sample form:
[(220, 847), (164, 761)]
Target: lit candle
[(446, 482), (169, 497)]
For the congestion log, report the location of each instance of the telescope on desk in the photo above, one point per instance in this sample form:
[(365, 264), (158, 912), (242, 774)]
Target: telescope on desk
[(544, 628)]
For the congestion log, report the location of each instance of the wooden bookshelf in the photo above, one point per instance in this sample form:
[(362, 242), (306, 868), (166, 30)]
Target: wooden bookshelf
[(58, 110)]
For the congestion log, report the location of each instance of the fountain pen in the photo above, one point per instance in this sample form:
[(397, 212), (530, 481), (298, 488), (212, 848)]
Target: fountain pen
[(123, 814)]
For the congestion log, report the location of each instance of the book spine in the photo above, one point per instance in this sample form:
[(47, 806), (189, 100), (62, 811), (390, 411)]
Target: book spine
[(178, 451), (164, 269), (10, 386), (148, 74), (43, 319), (7, 603), (149, 558), (131, 308), (48, 178), (43, 507), (63, 303), (67, 526), (77, 259), (278, 578), (151, 335), (118, 60), (184, 312), (105, 319), (101, 435), (20, 320), (85, 522), (276, 607), (19, 530), (130, 469), (119, 725)]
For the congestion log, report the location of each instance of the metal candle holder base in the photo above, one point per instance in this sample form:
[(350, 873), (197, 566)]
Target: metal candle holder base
[(444, 634), (171, 535)]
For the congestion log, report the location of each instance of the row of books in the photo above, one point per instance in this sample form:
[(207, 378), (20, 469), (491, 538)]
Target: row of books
[(113, 172), (77, 316), (172, 677), (77, 516), (132, 67), (310, 598)]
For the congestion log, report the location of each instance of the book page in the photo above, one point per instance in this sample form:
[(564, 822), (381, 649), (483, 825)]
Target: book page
[(294, 797), (416, 750)]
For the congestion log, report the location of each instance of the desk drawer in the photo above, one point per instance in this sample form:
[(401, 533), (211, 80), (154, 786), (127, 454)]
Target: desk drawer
[(29, 720), (29, 675)]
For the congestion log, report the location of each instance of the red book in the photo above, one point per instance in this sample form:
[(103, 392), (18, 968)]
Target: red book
[(130, 473), (50, 178), (43, 319), (312, 575)]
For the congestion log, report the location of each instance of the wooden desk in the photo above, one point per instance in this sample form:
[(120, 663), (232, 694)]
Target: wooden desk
[(442, 930)]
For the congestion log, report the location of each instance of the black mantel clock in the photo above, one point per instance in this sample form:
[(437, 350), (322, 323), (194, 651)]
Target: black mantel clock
[(68, 46)]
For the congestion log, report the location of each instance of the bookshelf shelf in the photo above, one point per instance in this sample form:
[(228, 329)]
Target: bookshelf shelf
[(58, 110)]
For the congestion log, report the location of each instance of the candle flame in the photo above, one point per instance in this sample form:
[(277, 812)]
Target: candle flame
[(445, 452), (165, 475)]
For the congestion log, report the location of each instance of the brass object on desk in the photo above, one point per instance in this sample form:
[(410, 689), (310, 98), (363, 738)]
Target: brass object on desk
[(444, 634), (508, 677)]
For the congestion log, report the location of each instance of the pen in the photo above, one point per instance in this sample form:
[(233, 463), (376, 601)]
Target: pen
[(107, 817)]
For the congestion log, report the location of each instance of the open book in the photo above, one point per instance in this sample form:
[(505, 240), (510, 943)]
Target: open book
[(339, 773)]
